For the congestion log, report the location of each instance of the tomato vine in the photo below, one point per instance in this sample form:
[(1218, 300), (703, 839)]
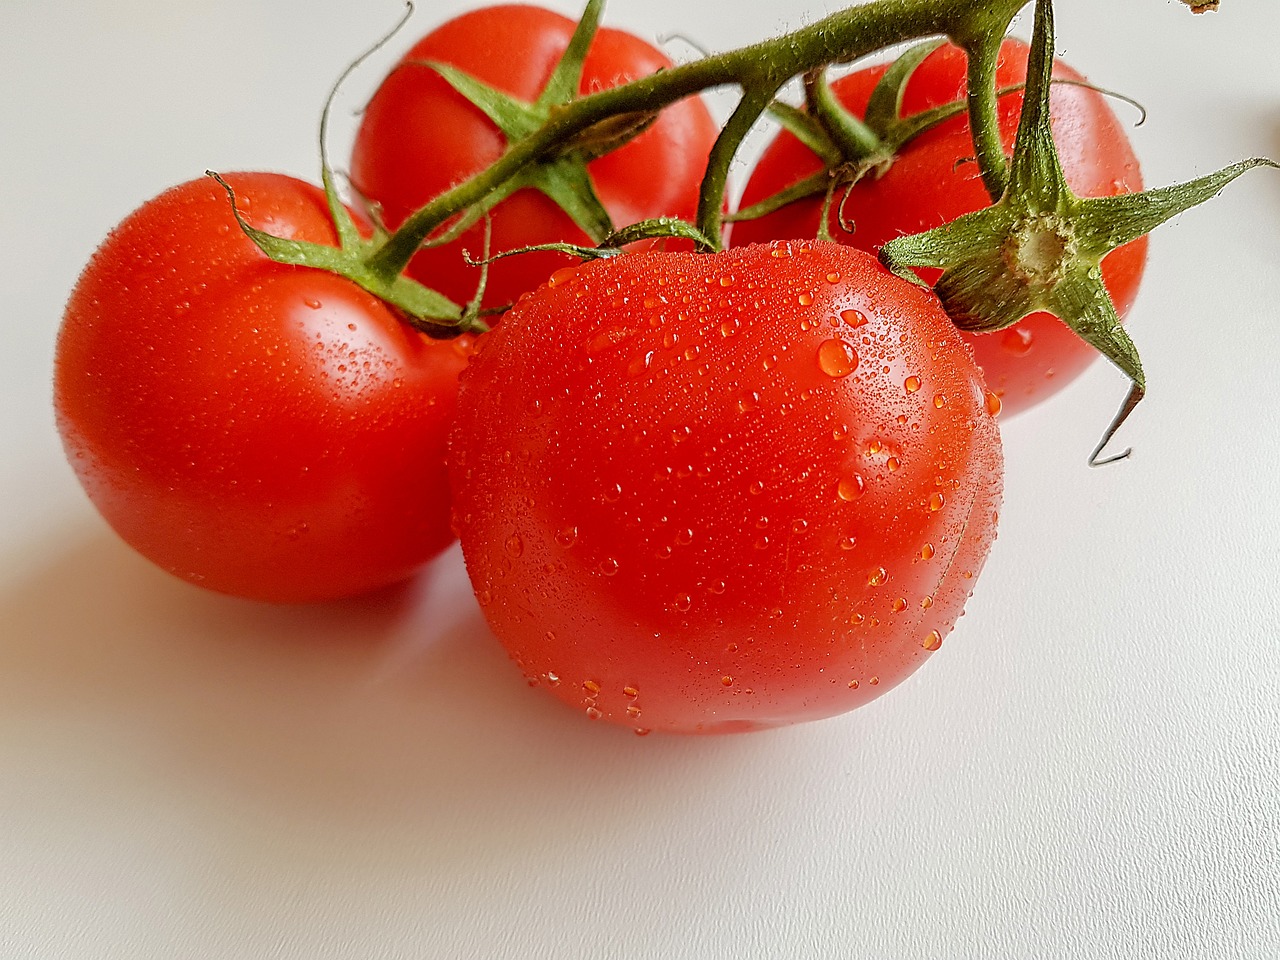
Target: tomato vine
[(979, 287)]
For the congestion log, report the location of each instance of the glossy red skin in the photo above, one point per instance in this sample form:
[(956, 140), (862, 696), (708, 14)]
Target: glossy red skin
[(926, 187), (268, 431), (419, 137), (647, 467)]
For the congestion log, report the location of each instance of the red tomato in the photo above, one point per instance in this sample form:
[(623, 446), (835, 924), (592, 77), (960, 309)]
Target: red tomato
[(933, 181), (263, 430), (707, 493), (419, 137)]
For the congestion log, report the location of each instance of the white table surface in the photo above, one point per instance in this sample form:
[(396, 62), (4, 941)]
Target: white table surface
[(1090, 769)]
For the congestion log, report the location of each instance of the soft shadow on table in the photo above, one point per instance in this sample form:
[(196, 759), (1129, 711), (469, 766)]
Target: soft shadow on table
[(393, 724)]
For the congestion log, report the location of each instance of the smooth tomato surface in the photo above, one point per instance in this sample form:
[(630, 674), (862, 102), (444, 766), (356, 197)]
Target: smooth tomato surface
[(934, 180), (706, 493), (419, 137), (263, 430)]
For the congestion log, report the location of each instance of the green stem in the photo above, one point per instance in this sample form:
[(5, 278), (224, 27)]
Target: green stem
[(854, 138), (711, 196), (981, 32), (984, 117), (759, 69)]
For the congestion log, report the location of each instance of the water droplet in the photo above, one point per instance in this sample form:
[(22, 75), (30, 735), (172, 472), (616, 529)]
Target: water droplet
[(877, 576), (683, 602), (757, 486), (593, 713), (591, 688), (899, 605), (939, 400), (609, 566), (643, 731), (748, 401), (837, 358), (313, 304), (833, 277), (911, 384), (640, 364), (561, 275), (851, 488), (726, 681), (1017, 340), (684, 537), (567, 536), (612, 493), (993, 404), (728, 281), (855, 318), (874, 681), (848, 543), (805, 299), (630, 692), (926, 603), (926, 552), (716, 588), (892, 464), (853, 684), (799, 526), (729, 327), (932, 640), (553, 679), (935, 502), (514, 546)]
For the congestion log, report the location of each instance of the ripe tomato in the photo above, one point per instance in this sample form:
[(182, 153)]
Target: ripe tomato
[(707, 493), (419, 137), (264, 430), (930, 183)]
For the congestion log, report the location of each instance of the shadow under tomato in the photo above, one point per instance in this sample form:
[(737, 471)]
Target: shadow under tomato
[(393, 724)]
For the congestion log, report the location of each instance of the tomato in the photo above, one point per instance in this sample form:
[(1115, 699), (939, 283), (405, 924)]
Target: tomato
[(264, 430), (933, 180), (419, 137), (707, 493)]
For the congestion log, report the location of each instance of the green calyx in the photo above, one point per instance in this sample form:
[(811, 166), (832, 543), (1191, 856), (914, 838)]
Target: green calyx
[(427, 310), (1040, 247), (561, 174)]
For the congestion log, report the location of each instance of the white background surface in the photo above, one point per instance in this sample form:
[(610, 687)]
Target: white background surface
[(1089, 769)]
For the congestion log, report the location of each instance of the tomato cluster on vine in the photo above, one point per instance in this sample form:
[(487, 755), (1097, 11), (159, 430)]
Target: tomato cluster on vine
[(695, 491)]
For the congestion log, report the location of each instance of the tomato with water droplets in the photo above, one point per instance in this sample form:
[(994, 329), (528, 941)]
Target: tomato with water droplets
[(934, 179), (731, 513), (264, 430)]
